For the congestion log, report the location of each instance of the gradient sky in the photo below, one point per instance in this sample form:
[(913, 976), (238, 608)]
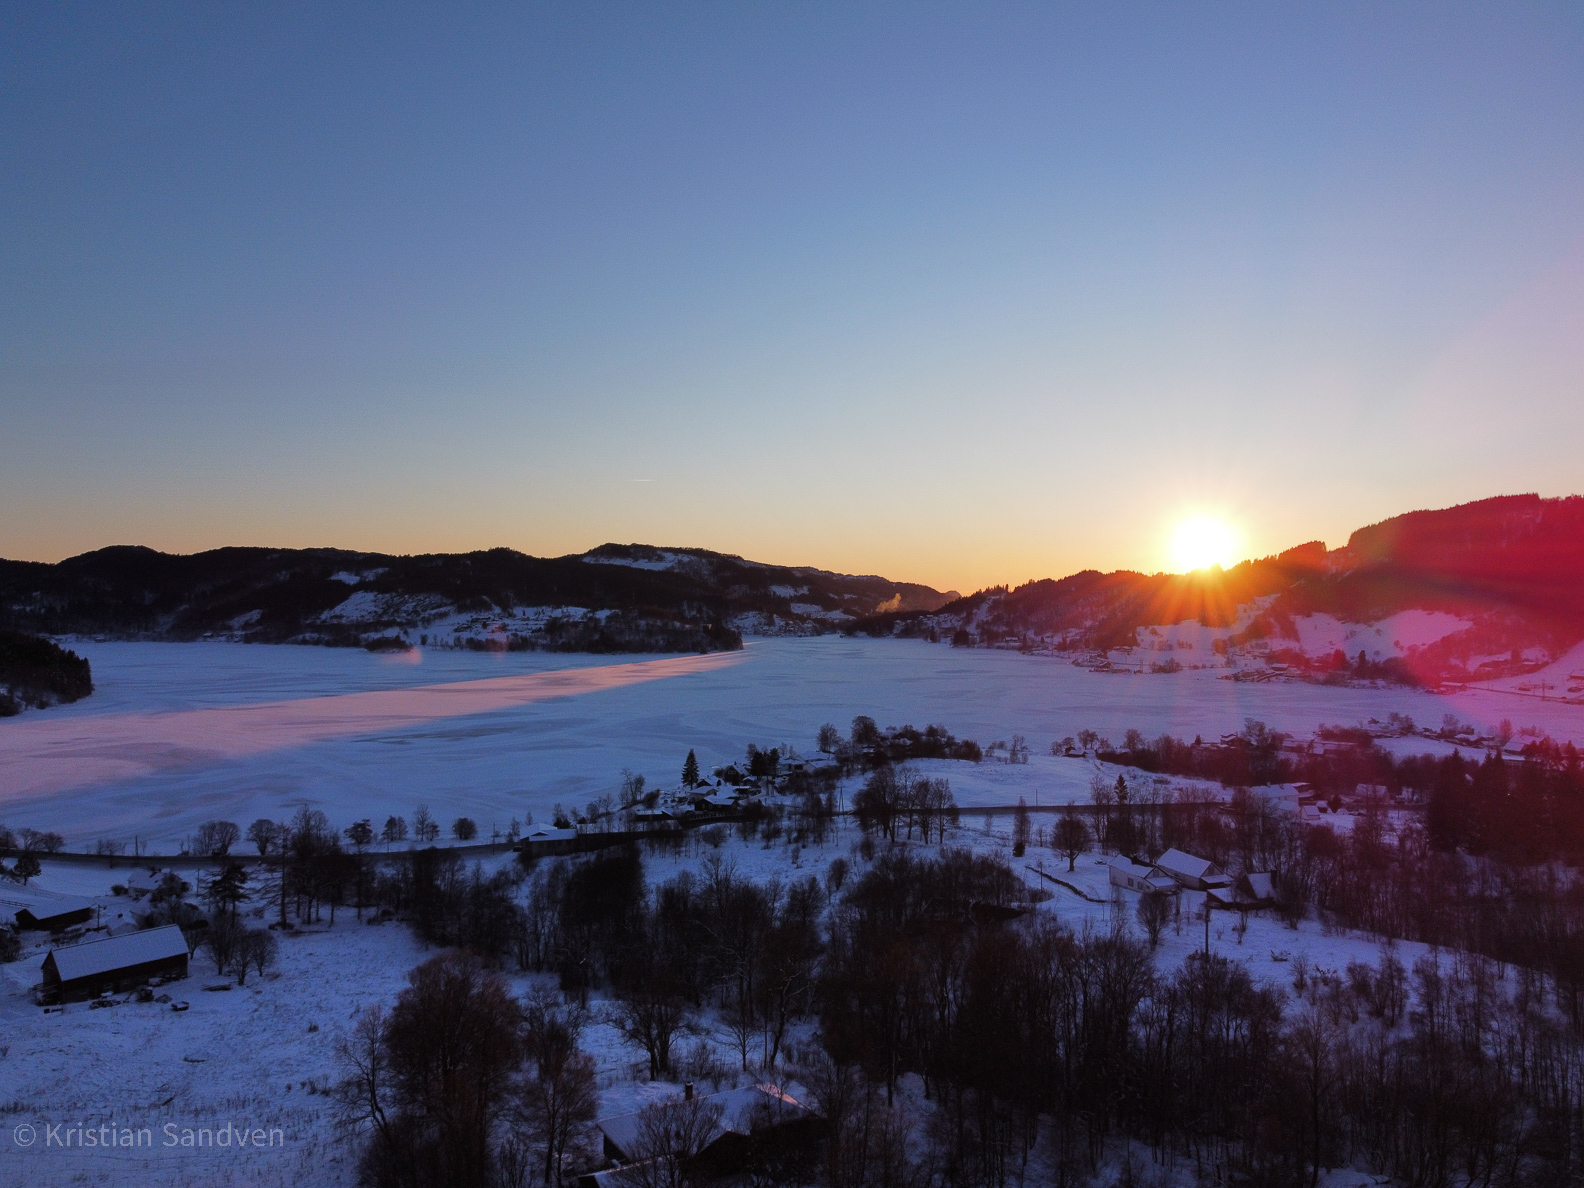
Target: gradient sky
[(960, 294)]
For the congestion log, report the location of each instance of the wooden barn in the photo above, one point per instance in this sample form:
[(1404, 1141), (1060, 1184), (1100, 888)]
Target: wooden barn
[(54, 915), (77, 972)]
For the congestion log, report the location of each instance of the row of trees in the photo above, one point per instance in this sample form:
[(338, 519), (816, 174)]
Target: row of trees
[(867, 744)]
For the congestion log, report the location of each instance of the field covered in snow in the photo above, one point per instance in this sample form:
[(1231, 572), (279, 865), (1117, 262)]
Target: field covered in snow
[(177, 734), (261, 1056)]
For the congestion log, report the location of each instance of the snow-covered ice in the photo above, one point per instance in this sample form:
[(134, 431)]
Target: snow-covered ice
[(182, 733)]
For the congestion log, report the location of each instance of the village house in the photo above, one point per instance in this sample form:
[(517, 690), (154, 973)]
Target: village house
[(1249, 892), (752, 1119), (1137, 877), (73, 973), (1193, 874)]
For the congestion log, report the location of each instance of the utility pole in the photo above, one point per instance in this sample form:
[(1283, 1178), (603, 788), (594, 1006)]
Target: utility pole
[(1207, 924)]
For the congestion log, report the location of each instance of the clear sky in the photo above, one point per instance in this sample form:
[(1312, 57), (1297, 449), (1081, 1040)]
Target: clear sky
[(959, 294)]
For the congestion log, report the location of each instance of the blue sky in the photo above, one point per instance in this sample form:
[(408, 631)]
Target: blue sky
[(958, 294)]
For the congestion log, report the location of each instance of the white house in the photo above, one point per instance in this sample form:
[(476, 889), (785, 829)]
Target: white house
[(1135, 877), (1196, 874)]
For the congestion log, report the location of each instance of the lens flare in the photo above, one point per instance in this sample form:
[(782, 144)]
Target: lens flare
[(1202, 541)]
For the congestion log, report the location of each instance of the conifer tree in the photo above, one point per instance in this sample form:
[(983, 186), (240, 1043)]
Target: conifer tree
[(690, 770)]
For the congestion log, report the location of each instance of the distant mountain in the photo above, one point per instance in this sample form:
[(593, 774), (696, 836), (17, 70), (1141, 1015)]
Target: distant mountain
[(1487, 589), (616, 598)]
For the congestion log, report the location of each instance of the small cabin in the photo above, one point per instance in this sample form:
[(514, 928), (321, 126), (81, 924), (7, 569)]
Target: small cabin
[(73, 973), (1249, 893)]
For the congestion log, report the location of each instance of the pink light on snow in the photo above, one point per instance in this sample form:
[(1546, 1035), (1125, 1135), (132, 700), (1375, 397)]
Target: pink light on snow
[(43, 755)]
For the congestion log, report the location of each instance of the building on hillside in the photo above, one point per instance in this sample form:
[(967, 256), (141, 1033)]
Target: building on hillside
[(73, 973), (1135, 876), (54, 915), (1249, 892), (1194, 874), (754, 1121)]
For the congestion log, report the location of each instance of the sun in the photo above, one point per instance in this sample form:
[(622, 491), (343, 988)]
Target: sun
[(1202, 541)]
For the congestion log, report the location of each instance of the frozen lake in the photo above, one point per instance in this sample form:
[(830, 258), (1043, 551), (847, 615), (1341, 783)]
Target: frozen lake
[(182, 733)]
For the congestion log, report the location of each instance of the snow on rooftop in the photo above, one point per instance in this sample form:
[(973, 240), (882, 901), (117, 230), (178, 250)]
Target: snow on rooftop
[(117, 952)]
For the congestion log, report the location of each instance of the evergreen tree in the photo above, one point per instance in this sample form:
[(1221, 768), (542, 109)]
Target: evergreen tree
[(690, 770), (225, 892)]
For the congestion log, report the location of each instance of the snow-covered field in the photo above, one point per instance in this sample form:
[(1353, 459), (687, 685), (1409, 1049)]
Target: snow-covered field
[(182, 733), (178, 734), (260, 1056)]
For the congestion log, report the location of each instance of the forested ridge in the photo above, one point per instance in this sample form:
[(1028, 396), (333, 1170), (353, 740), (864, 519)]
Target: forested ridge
[(660, 600), (37, 672)]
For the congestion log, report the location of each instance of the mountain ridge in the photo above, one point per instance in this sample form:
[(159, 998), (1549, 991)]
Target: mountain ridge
[(1502, 578), (612, 598)]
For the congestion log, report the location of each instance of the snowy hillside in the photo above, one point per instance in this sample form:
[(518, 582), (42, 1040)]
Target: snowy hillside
[(616, 598), (1473, 593)]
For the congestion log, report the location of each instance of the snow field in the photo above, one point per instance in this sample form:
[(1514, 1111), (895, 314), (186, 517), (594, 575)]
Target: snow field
[(178, 734), (264, 1053)]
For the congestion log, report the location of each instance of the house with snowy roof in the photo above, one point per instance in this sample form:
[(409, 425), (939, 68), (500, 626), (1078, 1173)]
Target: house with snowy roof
[(54, 914), (1136, 876), (1194, 874), (751, 1119), (73, 973), (1248, 893)]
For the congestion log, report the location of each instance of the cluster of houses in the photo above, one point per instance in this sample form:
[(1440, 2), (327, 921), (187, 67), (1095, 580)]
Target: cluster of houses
[(686, 807), (1177, 871), (123, 959)]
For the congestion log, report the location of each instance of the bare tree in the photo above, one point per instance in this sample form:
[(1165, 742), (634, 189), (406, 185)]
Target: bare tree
[(671, 1133), (425, 829), (1153, 911), (1070, 838), (266, 835), (650, 1015), (221, 941), (434, 1077), (255, 949), (559, 1096), (215, 838)]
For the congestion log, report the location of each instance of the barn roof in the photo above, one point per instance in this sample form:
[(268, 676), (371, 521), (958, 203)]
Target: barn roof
[(47, 907), (738, 1115), (1179, 863), (96, 957), (549, 833), (1261, 886)]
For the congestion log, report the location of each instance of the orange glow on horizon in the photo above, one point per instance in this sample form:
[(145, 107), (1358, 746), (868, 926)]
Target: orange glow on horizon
[(1200, 542)]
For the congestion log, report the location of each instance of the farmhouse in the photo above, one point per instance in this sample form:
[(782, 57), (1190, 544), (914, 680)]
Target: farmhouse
[(1249, 892), (1137, 877), (752, 1119), (76, 972), (1195, 874)]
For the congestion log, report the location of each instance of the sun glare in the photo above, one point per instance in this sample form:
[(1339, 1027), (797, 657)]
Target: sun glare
[(1202, 541)]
